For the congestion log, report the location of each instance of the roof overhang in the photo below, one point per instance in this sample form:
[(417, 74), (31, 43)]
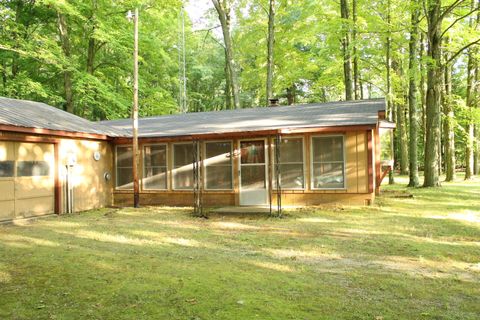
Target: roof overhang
[(57, 133), (246, 134)]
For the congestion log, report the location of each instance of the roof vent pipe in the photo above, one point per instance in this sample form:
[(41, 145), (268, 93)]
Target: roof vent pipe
[(273, 102)]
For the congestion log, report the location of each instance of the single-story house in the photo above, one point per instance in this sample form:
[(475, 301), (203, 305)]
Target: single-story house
[(54, 162)]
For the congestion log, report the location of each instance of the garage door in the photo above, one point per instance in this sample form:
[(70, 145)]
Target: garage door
[(26, 179)]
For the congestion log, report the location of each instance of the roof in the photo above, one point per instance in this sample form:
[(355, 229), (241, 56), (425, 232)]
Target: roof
[(332, 114), (30, 114)]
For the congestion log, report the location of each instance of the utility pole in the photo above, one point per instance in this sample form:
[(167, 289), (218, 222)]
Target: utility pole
[(136, 194)]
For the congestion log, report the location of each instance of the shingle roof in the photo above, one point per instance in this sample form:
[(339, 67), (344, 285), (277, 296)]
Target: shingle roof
[(344, 113), (30, 114)]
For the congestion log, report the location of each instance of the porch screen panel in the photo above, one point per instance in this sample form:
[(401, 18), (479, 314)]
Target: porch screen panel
[(252, 164), (291, 164), (155, 167), (124, 159), (328, 163), (218, 165), (183, 166)]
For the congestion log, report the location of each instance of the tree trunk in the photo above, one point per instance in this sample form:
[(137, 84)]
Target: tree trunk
[(4, 76), (228, 87), (91, 56), (476, 127), (223, 11), (356, 73), (434, 76), (67, 74), (448, 124), (388, 68), (402, 140), (471, 101), (412, 99), (423, 93), (15, 36), (270, 47), (291, 95), (476, 132), (347, 59)]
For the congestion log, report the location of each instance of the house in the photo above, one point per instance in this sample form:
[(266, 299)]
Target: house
[(53, 161)]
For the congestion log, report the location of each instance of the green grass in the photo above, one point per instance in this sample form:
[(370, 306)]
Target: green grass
[(404, 258)]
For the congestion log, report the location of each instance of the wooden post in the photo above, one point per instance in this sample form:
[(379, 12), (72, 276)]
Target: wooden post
[(136, 195)]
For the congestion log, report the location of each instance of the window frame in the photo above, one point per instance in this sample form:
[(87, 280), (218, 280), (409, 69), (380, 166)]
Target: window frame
[(304, 164), (344, 161), (173, 167), (204, 166), (116, 166), (144, 168)]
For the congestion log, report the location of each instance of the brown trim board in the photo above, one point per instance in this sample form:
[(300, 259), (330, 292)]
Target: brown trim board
[(59, 133), (246, 134), (370, 161)]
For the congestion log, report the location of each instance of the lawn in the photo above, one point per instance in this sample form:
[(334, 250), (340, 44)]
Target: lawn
[(403, 258)]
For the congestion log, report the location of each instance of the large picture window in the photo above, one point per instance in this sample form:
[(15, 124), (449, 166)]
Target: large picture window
[(155, 167), (218, 165), (328, 163), (183, 166), (124, 163), (291, 164)]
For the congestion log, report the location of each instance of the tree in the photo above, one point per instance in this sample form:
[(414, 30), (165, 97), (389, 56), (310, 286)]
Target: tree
[(270, 48), (434, 17), (357, 86), (449, 121), (472, 98), (67, 74), (347, 59), (223, 10), (412, 96)]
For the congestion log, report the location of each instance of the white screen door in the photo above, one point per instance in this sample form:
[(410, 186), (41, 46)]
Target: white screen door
[(253, 173)]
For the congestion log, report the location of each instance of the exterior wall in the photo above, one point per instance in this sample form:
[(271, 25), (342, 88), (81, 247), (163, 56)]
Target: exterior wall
[(357, 189), (91, 190)]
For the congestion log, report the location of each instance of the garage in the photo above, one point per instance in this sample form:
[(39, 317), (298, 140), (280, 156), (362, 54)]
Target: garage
[(27, 179)]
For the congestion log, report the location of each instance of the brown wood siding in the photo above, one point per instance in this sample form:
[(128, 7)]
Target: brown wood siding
[(174, 198), (182, 198)]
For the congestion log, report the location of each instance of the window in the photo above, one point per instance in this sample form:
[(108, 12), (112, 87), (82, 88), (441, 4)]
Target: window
[(183, 166), (6, 169), (33, 168), (155, 167), (218, 165), (328, 163), (124, 161), (291, 164)]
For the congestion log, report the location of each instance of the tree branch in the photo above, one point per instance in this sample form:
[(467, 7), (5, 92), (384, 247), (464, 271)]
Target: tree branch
[(457, 20), (373, 84), (450, 8), (453, 57)]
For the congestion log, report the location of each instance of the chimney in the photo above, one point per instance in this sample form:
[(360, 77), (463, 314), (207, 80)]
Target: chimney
[(273, 102)]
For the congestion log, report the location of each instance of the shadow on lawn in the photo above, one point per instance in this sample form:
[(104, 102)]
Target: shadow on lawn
[(346, 247)]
